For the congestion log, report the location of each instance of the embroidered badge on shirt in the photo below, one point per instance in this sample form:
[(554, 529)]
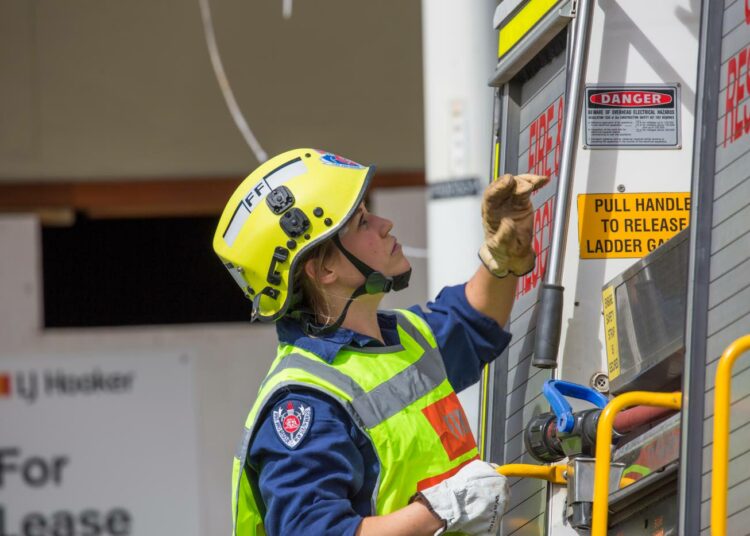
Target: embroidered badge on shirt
[(292, 420)]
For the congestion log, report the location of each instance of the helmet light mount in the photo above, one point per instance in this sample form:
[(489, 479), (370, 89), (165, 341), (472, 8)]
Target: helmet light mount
[(280, 199), (294, 222)]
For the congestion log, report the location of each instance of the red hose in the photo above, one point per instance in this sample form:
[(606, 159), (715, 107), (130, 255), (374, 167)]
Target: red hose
[(632, 418)]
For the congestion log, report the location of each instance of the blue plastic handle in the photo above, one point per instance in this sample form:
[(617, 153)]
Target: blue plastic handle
[(557, 390)]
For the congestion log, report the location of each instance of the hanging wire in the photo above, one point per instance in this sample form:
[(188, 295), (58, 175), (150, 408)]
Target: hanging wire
[(286, 9), (226, 89)]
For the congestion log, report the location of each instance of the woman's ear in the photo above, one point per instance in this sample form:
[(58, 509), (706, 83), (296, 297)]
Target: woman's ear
[(320, 272)]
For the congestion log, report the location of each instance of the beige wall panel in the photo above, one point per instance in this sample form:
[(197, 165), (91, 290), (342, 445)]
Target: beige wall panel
[(17, 85), (126, 89)]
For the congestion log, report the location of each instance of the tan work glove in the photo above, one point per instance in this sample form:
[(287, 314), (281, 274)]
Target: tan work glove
[(472, 501), (508, 221)]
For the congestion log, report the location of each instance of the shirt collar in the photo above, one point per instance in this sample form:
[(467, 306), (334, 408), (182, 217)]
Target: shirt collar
[(326, 347)]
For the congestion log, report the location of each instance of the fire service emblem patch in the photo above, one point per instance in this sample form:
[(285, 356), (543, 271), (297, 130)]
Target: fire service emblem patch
[(292, 420)]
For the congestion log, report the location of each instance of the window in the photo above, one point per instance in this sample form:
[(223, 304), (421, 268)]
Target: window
[(124, 272)]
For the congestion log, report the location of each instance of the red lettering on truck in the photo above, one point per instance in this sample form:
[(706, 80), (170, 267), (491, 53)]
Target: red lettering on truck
[(540, 243), (736, 116), (542, 145)]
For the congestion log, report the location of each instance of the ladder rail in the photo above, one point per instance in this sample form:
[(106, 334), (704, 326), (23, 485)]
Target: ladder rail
[(720, 462), (603, 458)]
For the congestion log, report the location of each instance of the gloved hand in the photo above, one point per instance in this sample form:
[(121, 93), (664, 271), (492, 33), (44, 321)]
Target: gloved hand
[(508, 221), (472, 501)]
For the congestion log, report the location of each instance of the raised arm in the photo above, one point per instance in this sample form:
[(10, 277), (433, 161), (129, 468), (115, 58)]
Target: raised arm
[(491, 295), (508, 221)]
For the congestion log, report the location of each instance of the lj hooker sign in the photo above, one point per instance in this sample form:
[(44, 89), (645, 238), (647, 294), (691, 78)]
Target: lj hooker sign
[(629, 225), (97, 446)]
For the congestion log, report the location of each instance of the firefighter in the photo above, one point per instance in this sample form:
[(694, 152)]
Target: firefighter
[(357, 428)]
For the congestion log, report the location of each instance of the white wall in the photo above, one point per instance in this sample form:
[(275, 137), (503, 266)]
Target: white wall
[(230, 360)]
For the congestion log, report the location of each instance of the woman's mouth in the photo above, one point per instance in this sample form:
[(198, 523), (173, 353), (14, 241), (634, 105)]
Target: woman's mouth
[(396, 247)]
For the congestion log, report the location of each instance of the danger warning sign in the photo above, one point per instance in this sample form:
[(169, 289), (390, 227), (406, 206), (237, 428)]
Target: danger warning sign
[(632, 116), (629, 225)]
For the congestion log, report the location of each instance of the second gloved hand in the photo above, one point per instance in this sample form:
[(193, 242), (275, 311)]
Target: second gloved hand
[(472, 501), (508, 221)]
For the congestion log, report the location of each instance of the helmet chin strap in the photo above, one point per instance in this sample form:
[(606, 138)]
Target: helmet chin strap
[(375, 283)]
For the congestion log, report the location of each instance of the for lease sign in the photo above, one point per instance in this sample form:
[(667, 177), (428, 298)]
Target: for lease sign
[(98, 445)]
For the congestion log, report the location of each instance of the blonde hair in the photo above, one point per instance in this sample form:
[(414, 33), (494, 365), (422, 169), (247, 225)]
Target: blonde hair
[(314, 298)]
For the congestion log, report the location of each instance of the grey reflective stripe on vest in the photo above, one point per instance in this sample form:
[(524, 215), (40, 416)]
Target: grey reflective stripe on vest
[(244, 443), (388, 398), (321, 370), (241, 455), (406, 387), (405, 324), (403, 389)]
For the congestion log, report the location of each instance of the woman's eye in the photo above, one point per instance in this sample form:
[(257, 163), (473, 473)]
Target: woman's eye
[(362, 222)]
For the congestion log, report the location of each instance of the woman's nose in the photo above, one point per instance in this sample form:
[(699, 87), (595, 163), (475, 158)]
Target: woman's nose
[(385, 225)]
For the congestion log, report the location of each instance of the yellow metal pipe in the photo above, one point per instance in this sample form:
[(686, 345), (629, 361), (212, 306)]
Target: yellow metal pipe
[(722, 400), (552, 473), (604, 444)]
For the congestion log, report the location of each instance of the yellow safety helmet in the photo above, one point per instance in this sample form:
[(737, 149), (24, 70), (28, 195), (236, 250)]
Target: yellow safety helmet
[(280, 211)]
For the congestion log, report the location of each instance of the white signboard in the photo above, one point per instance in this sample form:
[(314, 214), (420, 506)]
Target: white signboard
[(632, 116), (97, 446)]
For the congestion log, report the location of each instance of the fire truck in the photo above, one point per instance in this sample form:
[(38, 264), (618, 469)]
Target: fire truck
[(622, 405)]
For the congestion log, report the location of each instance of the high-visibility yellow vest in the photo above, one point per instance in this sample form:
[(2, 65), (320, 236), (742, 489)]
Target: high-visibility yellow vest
[(399, 396)]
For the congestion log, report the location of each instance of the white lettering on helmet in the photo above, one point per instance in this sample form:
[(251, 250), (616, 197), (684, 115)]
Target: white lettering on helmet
[(235, 224), (288, 171), (258, 192)]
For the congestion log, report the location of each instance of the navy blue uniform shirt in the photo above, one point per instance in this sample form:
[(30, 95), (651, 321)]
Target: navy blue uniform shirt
[(324, 484)]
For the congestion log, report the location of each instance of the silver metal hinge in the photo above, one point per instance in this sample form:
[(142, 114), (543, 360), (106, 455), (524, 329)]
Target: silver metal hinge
[(569, 10)]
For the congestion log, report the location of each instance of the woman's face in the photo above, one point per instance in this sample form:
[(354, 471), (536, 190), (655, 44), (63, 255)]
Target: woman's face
[(368, 238)]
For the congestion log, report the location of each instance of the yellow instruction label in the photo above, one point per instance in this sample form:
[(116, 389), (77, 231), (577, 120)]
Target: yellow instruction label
[(610, 332), (629, 225)]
